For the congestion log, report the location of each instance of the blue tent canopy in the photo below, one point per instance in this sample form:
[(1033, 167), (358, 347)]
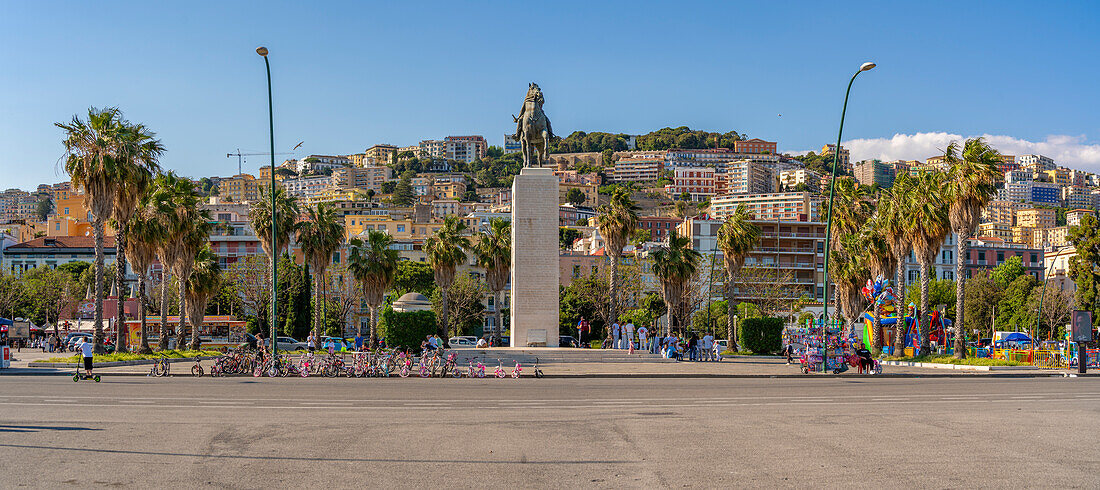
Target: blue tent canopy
[(1017, 337), (5, 321)]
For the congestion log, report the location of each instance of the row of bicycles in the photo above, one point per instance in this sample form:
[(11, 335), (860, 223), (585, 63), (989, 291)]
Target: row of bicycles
[(382, 363)]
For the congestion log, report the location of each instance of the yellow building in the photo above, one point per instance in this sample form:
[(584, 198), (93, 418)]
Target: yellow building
[(1022, 234), (1002, 212), (72, 217), (362, 177), (1050, 237), (590, 191), (1036, 218), (449, 190), (379, 154), (996, 230), (399, 229), (240, 188), (1059, 176)]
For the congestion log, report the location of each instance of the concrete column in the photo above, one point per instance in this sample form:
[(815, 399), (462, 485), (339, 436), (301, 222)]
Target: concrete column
[(534, 305)]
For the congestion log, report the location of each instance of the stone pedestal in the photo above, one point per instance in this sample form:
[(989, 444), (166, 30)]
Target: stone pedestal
[(534, 304)]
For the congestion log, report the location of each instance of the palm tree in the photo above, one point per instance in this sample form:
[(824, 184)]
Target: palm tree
[(187, 229), (674, 265), (145, 235), (494, 253), (894, 208), (850, 210), (259, 215), (202, 284), (91, 160), (850, 271), (137, 164), (446, 251), (616, 222), (970, 186), (320, 236), (880, 261), (374, 264), (928, 225), (737, 237)]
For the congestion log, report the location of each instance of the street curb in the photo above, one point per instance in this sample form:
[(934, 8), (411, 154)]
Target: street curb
[(961, 367), (138, 362)]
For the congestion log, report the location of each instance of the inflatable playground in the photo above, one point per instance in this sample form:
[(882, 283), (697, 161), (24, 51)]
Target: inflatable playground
[(879, 293)]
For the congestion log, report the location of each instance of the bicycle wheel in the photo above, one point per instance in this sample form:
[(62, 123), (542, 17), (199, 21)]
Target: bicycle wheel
[(404, 371), (196, 371)]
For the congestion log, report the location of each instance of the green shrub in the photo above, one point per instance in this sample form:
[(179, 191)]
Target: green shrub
[(760, 335), (406, 329)]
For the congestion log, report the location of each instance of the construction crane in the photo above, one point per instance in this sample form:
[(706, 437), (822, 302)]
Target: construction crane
[(240, 157)]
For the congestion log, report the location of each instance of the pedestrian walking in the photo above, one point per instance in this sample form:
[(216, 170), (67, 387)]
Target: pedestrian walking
[(707, 347), (693, 344), (582, 331), (616, 333), (311, 343), (643, 334), (358, 342)]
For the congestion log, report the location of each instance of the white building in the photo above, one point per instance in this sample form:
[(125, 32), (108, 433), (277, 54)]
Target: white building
[(307, 187), (1036, 163)]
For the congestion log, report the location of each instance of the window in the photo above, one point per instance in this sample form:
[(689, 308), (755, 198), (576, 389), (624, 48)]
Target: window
[(1034, 258), (947, 257), (949, 275), (981, 255)]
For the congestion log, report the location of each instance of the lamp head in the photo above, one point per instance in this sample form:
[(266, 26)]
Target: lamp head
[(262, 51), (866, 66)]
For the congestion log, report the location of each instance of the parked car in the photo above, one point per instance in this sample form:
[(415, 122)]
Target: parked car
[(462, 342), (289, 343), (722, 344), (567, 341), (70, 339)]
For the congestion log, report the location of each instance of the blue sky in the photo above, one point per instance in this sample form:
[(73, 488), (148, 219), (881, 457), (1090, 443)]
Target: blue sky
[(351, 74)]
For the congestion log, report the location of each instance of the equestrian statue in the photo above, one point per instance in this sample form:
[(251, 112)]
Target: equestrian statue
[(533, 129)]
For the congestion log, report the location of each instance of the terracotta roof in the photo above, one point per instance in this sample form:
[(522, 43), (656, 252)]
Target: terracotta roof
[(64, 242)]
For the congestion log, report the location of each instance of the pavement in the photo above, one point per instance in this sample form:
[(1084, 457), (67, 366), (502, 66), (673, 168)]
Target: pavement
[(870, 432)]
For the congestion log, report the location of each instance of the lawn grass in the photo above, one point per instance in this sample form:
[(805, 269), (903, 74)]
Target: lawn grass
[(969, 361), (133, 356)]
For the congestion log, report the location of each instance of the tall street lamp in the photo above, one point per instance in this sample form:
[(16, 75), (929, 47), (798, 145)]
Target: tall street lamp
[(262, 51), (832, 188)]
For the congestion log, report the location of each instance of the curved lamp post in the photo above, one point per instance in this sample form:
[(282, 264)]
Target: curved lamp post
[(262, 51), (832, 187)]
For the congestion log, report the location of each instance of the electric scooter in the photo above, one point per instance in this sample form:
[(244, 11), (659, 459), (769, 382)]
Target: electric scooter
[(78, 376)]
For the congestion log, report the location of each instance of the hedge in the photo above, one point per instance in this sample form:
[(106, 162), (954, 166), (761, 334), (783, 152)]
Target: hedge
[(761, 335), (406, 329)]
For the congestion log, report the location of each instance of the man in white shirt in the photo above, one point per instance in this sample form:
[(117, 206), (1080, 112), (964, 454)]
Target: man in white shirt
[(708, 346), (86, 350), (642, 334), (628, 335), (615, 335)]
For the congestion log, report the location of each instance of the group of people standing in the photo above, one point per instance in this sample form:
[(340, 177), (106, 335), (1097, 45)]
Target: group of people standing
[(626, 336)]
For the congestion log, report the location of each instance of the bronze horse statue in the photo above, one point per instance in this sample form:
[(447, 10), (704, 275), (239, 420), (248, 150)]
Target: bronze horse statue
[(533, 129)]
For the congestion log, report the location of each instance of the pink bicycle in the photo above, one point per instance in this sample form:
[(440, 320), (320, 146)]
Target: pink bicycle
[(516, 371), (475, 371)]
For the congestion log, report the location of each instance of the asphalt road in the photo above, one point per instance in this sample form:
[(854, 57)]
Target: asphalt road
[(490, 433)]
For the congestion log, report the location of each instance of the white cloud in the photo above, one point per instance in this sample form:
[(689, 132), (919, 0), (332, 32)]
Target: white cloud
[(1067, 151)]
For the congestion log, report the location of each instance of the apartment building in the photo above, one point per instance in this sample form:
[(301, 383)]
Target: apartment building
[(54, 251), (638, 169), (1046, 238), (568, 214), (792, 178), (465, 148), (381, 154), (320, 163), (790, 256), (511, 144), (658, 226), (698, 182), (1035, 163), (448, 190), (844, 160), (874, 172), (590, 192), (989, 253), (435, 149), (717, 157), (362, 177), (785, 206), (72, 217), (1073, 217), (996, 229), (747, 177), (1007, 164), (755, 145), (1036, 218), (1074, 197), (1022, 234), (240, 188), (307, 187), (1060, 176)]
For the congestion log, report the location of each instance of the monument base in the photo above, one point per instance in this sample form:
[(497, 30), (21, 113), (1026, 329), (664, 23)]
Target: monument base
[(534, 301)]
